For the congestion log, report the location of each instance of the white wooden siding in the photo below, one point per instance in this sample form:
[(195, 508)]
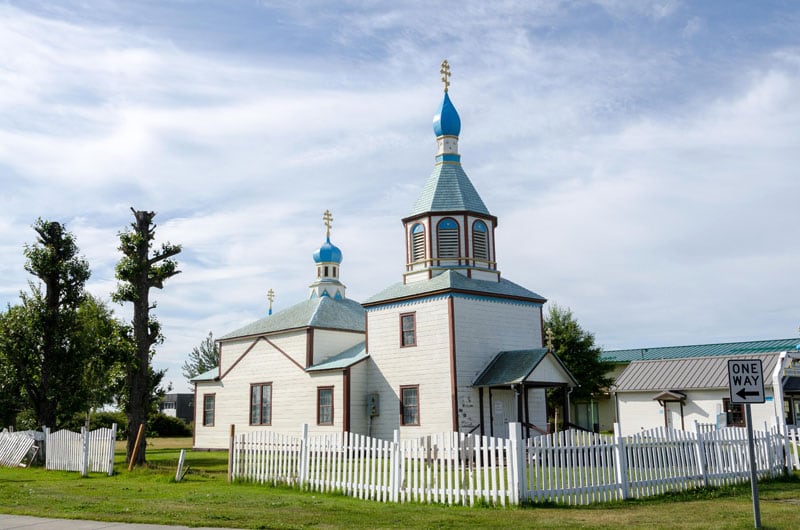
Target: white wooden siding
[(639, 411), (427, 364), (294, 391), (358, 398), (483, 329), (328, 343)]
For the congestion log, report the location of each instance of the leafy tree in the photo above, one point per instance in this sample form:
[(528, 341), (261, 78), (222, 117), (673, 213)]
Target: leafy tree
[(36, 336), (109, 339), (202, 359), (138, 271), (576, 349)]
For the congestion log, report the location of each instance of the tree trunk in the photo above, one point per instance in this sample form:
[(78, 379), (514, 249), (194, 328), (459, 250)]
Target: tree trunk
[(139, 371)]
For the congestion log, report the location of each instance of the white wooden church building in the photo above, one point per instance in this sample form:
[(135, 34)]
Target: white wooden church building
[(453, 346)]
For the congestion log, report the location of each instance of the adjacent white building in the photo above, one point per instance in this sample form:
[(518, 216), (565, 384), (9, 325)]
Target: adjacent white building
[(690, 384), (453, 346)]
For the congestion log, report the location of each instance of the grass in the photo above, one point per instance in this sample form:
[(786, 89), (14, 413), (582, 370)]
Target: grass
[(204, 498)]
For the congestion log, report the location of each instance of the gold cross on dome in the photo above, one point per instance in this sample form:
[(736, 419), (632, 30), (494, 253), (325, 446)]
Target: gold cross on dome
[(327, 217), (445, 71)]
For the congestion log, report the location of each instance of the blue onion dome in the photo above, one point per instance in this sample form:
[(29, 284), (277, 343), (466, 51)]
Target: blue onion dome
[(328, 253), (446, 121)]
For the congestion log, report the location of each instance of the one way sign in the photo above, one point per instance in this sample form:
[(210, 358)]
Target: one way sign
[(746, 380)]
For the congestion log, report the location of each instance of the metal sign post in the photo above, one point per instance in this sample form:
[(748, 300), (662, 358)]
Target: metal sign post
[(746, 381)]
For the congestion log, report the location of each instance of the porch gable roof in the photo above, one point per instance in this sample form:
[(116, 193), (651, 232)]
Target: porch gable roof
[(519, 366)]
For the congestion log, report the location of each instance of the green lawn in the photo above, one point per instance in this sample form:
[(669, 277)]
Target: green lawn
[(205, 498)]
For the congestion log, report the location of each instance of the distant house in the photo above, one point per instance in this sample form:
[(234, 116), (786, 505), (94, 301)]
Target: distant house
[(179, 406), (678, 385)]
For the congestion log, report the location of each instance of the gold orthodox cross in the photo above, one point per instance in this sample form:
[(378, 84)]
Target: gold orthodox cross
[(549, 334), (445, 71), (327, 217), (270, 297)]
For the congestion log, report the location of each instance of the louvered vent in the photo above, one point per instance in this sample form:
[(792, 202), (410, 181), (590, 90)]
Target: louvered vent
[(448, 242), (479, 245), (418, 246)]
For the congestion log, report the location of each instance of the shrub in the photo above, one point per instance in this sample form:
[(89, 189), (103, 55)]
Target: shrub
[(162, 425)]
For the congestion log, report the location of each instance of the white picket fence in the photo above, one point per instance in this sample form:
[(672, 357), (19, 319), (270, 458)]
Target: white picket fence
[(575, 467), (793, 447), (15, 446), (570, 467), (85, 451)]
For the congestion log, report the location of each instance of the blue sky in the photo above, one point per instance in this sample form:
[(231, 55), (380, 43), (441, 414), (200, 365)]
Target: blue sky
[(642, 157)]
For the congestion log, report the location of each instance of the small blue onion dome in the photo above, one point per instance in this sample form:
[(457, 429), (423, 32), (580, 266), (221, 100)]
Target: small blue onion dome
[(328, 253), (446, 121)]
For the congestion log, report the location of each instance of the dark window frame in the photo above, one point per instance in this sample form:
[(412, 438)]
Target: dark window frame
[(404, 343), (404, 407), (321, 389), (260, 419), (206, 422), (734, 413)]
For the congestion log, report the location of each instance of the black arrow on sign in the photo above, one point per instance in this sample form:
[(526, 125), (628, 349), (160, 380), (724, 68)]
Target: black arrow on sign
[(743, 393)]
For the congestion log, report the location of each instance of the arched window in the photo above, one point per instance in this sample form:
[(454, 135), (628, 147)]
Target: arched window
[(447, 238), (480, 240), (417, 242)]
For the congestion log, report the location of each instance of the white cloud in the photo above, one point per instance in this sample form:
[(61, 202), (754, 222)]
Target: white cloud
[(642, 178)]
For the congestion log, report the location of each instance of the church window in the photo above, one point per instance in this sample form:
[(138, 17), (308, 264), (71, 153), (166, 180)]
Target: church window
[(408, 329), (480, 243), (409, 405), (261, 404), (208, 409), (417, 242), (447, 238), (325, 405), (326, 271)]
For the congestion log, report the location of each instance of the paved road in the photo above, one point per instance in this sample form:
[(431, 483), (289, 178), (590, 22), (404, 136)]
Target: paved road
[(25, 522)]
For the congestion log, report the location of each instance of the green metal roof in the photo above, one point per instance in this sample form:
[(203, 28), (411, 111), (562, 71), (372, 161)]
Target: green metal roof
[(321, 312), (207, 376), (514, 367), (451, 280), (448, 189), (700, 350), (347, 358)]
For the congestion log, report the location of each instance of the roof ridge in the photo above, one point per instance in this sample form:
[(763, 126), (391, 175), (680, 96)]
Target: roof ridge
[(705, 345)]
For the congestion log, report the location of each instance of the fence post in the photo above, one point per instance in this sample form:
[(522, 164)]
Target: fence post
[(518, 463), (768, 449), (701, 453), (394, 467), (111, 449), (47, 451), (621, 462), (304, 457), (231, 451), (84, 452)]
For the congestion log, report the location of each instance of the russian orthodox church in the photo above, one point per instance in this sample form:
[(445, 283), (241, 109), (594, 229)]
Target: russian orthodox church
[(453, 346)]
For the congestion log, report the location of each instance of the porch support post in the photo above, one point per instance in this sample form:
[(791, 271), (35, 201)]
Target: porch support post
[(480, 407), (567, 420)]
